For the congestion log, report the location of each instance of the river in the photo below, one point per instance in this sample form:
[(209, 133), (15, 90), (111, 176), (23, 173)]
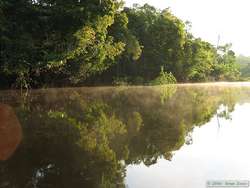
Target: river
[(147, 137)]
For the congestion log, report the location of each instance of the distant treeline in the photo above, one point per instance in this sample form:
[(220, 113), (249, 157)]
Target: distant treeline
[(244, 64), (46, 43)]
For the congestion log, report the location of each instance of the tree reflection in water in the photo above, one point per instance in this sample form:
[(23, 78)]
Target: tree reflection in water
[(87, 137)]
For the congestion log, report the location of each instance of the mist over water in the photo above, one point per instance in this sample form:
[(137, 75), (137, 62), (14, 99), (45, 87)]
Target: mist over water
[(163, 136)]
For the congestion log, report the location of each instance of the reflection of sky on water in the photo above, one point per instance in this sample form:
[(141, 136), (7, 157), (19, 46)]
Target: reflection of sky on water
[(77, 137), (216, 153)]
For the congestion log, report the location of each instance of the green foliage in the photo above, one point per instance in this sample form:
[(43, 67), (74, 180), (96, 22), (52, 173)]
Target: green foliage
[(226, 67), (200, 56), (60, 42), (166, 42), (164, 78), (92, 50), (82, 42), (121, 81)]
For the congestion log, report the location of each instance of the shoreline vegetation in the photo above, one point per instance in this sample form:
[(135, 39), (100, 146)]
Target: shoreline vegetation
[(59, 43), (160, 87)]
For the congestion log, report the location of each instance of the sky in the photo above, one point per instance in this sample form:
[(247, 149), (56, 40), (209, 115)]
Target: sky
[(210, 19)]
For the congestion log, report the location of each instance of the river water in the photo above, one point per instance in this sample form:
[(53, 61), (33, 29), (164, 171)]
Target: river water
[(147, 137)]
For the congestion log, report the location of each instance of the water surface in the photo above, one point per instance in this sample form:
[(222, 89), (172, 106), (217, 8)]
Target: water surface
[(167, 136)]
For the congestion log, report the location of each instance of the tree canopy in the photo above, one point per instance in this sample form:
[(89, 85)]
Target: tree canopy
[(60, 43)]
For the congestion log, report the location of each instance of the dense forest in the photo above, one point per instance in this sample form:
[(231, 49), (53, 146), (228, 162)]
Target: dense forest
[(56, 43)]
